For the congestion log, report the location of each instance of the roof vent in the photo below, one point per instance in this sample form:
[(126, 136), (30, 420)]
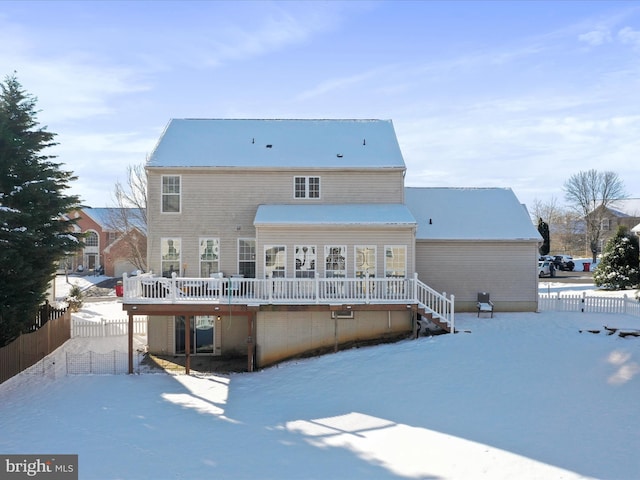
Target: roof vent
[(269, 145)]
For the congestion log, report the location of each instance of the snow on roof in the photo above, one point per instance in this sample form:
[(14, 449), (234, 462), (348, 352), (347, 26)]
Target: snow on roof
[(278, 143), (629, 207), (469, 214), (351, 214), (104, 217)]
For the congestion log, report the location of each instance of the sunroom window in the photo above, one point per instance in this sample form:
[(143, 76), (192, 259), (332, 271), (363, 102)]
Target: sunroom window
[(335, 261), (209, 256), (365, 261), (395, 261), (275, 261), (305, 257)]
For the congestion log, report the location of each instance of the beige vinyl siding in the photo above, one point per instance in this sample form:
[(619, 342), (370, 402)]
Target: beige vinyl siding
[(282, 335), (349, 236), (160, 335), (507, 270), (223, 202)]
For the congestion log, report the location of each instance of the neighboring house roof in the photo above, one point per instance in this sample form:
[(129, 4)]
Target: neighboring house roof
[(470, 214), (636, 229), (102, 216), (351, 214), (629, 207), (278, 143)]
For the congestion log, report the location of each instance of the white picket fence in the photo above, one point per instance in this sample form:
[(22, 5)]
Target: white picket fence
[(107, 327), (563, 302)]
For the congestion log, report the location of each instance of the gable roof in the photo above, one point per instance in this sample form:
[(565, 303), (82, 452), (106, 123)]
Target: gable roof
[(351, 214), (628, 207), (470, 214), (103, 217), (293, 144)]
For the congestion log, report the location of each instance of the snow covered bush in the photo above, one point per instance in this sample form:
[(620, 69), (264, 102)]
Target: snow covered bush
[(74, 299), (618, 269)]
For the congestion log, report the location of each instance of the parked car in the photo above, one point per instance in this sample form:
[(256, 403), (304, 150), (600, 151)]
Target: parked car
[(546, 268), (564, 262)]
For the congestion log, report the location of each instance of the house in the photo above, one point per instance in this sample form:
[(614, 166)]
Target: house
[(625, 212), (106, 243), (279, 238)]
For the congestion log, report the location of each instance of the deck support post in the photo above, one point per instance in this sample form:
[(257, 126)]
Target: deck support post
[(130, 342), (250, 342), (187, 344)]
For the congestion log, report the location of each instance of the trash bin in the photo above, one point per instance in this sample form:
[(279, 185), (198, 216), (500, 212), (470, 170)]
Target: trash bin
[(119, 289), (586, 267)]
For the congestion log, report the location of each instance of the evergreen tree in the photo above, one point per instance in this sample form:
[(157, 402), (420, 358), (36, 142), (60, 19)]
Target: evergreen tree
[(618, 269), (543, 228), (34, 233)]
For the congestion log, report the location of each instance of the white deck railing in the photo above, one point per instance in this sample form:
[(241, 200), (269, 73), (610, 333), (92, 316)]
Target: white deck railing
[(150, 289)]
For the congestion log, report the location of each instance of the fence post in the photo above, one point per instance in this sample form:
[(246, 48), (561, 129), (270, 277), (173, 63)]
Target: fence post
[(584, 295)]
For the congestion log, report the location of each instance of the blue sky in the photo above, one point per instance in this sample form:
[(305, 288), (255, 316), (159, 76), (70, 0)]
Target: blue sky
[(482, 94)]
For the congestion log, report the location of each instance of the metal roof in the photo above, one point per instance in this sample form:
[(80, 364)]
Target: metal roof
[(470, 214), (351, 214), (278, 143)]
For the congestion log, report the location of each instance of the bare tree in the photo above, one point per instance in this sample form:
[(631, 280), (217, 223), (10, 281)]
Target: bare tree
[(591, 194), (547, 211), (129, 217)]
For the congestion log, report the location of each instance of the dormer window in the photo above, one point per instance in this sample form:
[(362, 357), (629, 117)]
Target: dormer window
[(306, 187)]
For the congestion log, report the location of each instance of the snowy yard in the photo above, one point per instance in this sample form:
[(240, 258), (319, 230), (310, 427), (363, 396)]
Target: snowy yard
[(522, 396)]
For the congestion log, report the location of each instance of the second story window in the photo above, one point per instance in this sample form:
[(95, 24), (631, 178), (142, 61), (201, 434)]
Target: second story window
[(170, 194), (306, 187), (91, 240)]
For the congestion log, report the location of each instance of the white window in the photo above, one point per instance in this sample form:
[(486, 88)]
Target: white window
[(305, 257), (604, 225), (335, 261), (170, 256), (275, 257), (365, 260), (171, 194), (247, 257), (209, 256), (395, 261), (306, 187), (91, 240)]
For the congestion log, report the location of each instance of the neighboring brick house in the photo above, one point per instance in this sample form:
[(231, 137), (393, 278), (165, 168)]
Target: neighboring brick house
[(277, 238), (105, 246)]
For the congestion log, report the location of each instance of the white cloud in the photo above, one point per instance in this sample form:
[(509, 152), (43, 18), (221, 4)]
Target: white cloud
[(630, 37), (596, 37)]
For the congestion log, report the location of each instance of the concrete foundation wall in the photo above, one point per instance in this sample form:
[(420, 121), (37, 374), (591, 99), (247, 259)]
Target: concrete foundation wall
[(282, 335)]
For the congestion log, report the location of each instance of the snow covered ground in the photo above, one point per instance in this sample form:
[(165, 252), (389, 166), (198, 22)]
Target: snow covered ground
[(523, 396)]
